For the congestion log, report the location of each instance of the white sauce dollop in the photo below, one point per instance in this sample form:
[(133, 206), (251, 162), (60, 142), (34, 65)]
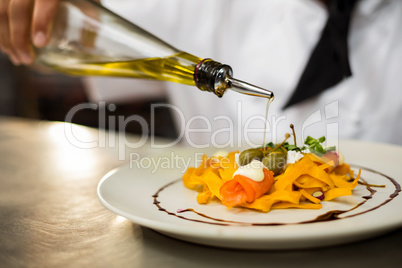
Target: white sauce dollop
[(253, 170), (293, 157)]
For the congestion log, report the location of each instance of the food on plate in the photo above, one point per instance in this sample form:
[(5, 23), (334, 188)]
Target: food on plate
[(274, 176), (249, 183)]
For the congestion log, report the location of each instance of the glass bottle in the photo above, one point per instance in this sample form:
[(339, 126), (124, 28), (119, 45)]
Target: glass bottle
[(88, 39)]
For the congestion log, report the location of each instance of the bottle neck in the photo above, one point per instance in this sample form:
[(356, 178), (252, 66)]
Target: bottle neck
[(216, 77)]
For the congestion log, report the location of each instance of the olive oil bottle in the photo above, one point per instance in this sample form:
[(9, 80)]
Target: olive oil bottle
[(88, 39), (177, 68)]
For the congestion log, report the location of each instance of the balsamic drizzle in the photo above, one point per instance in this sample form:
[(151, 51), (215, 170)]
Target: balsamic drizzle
[(328, 216)]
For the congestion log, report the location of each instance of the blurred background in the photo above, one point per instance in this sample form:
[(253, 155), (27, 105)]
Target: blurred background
[(39, 93)]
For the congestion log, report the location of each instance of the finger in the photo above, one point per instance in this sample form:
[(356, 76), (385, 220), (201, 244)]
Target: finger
[(20, 15), (14, 58), (5, 44), (43, 14), (4, 32)]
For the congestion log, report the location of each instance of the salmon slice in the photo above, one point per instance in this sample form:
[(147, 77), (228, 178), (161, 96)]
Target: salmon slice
[(241, 189)]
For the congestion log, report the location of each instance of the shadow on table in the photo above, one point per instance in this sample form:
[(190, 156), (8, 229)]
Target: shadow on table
[(384, 251)]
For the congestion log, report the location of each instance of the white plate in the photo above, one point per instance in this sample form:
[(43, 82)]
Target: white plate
[(130, 191)]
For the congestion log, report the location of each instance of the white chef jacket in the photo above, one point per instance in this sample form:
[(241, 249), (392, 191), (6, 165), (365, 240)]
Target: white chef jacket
[(268, 43)]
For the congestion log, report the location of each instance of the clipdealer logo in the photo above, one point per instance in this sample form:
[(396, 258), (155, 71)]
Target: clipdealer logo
[(236, 131)]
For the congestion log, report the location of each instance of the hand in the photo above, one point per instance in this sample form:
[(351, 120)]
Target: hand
[(24, 23)]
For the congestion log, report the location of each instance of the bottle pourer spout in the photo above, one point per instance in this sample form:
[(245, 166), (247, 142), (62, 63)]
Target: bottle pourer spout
[(249, 89), (216, 77)]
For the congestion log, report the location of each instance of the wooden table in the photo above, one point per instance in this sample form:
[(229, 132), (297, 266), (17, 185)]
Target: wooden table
[(50, 215)]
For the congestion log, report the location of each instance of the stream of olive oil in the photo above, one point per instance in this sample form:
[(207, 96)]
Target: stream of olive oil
[(266, 123), (177, 68)]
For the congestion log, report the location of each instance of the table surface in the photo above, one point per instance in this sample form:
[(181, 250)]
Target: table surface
[(50, 215)]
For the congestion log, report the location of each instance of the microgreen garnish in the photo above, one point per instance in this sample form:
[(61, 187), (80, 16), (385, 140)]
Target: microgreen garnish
[(269, 145), (291, 147), (311, 144), (314, 145)]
